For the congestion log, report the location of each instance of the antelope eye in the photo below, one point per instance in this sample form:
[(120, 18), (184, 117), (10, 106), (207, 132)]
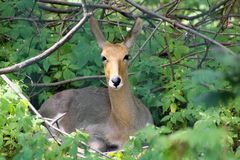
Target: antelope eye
[(104, 58), (126, 57)]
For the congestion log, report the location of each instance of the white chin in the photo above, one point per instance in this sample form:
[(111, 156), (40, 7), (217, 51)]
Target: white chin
[(115, 87)]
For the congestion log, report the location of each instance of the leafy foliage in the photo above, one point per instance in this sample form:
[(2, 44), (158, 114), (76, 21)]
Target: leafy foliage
[(23, 137), (191, 87)]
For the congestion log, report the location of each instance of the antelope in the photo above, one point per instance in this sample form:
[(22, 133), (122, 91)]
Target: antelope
[(109, 115)]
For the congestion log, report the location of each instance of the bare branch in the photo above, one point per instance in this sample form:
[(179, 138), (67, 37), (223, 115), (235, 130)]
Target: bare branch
[(143, 45), (47, 52), (57, 10), (67, 81), (90, 6), (165, 5), (211, 10), (70, 81), (179, 60), (179, 25), (55, 120)]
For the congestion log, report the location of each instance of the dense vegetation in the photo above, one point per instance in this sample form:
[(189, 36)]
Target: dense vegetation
[(186, 71)]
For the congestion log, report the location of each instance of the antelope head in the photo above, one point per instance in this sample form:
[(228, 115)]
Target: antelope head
[(115, 56)]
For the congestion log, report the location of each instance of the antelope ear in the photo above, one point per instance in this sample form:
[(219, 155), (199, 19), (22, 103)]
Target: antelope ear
[(136, 29), (97, 32)]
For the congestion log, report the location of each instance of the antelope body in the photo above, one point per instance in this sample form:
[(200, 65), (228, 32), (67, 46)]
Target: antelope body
[(110, 115)]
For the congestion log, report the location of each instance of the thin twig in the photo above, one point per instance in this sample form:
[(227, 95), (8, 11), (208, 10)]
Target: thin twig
[(179, 25), (70, 81), (47, 52), (216, 34), (226, 34), (211, 10), (67, 81), (58, 10), (165, 5), (55, 120), (140, 50), (189, 56), (204, 57), (90, 6), (172, 8), (170, 59)]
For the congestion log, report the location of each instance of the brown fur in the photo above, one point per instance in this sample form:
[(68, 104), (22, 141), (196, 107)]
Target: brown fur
[(109, 116)]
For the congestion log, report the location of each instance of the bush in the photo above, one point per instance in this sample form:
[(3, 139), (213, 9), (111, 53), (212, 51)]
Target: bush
[(22, 135)]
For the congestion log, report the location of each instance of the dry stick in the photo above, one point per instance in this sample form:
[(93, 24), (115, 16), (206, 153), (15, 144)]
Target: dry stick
[(227, 34), (212, 9), (172, 8), (66, 81), (205, 55), (207, 50), (47, 52), (57, 10), (215, 36), (179, 60), (170, 59), (70, 81), (34, 20), (92, 6), (14, 88), (209, 12), (55, 120), (225, 18), (165, 5), (177, 24), (140, 50)]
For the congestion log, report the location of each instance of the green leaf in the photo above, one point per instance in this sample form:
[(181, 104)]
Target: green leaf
[(1, 141), (179, 97), (58, 75), (180, 50), (68, 74), (7, 9), (206, 76), (47, 79), (46, 65), (24, 4)]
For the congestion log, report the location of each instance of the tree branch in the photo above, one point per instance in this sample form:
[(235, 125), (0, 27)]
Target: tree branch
[(67, 81), (143, 45), (47, 52), (57, 10), (179, 25), (70, 81), (211, 10), (165, 5), (90, 6)]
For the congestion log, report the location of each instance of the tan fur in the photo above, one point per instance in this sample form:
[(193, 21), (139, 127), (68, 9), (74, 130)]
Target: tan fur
[(109, 116)]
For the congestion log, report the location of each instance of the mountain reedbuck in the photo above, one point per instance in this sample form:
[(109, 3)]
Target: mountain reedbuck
[(110, 115)]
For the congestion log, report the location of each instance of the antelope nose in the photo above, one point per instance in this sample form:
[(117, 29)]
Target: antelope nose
[(116, 81)]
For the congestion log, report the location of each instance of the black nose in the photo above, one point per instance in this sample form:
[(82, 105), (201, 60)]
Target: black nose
[(116, 81)]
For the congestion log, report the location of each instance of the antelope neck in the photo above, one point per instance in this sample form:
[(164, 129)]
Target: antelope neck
[(122, 105)]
